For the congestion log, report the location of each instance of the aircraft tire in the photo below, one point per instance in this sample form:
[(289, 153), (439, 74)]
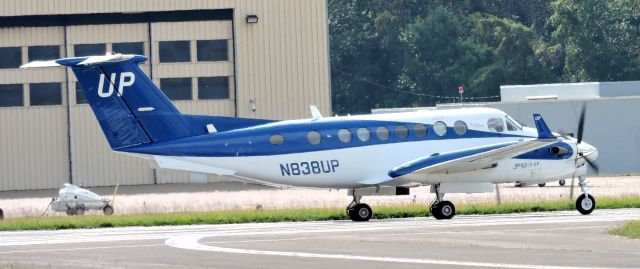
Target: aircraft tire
[(1, 214), (71, 211), (360, 212), (80, 211), (562, 182), (585, 205), (107, 210), (542, 184), (443, 210)]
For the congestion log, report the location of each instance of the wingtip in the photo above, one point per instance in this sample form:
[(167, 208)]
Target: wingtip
[(543, 130)]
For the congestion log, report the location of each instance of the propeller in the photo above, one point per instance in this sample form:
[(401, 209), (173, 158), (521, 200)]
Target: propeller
[(579, 155)]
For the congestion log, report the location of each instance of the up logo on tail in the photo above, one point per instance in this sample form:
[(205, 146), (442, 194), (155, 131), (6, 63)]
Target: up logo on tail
[(126, 79)]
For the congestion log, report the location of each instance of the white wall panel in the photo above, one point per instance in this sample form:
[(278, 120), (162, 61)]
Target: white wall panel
[(33, 148), (32, 36)]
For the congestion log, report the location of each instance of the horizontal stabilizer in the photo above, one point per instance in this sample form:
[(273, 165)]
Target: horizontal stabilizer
[(39, 64), (176, 164)]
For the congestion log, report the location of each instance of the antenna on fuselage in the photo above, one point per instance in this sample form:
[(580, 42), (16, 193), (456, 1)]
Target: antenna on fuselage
[(315, 113)]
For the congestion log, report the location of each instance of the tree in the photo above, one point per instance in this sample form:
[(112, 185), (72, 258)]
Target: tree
[(599, 39)]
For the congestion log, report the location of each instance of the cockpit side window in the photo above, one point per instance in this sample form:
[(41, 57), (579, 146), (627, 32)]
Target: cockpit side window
[(496, 125)]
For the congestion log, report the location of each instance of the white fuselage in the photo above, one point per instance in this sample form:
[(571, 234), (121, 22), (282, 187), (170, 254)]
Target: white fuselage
[(348, 167)]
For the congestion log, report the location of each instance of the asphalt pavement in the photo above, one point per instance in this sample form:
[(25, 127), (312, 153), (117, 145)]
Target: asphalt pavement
[(530, 240)]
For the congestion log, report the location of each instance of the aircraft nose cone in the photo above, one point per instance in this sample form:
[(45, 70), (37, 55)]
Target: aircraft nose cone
[(588, 151)]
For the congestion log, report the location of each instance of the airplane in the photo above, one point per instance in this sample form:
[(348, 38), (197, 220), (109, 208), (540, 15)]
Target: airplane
[(465, 150)]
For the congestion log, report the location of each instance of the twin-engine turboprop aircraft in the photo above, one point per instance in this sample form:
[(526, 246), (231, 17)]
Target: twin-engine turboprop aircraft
[(454, 151)]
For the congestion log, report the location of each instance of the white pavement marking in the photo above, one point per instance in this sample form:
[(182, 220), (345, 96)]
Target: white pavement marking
[(191, 243), (25, 238)]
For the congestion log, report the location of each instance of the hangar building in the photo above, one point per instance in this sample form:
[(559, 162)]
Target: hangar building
[(244, 58)]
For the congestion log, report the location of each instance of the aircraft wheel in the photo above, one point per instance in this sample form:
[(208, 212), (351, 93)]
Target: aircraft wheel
[(107, 210), (71, 211), (585, 204), (542, 184), (1, 214), (360, 212), (520, 184), (443, 210), (562, 182), (80, 211)]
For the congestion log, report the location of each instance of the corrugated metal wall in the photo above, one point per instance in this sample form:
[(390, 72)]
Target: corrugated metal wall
[(280, 63), (283, 59), (34, 149)]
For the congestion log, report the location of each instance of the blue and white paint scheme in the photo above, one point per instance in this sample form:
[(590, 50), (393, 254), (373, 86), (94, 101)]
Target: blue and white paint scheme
[(457, 150)]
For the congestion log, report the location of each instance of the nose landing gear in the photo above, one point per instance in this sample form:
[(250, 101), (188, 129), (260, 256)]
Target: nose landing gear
[(585, 204)]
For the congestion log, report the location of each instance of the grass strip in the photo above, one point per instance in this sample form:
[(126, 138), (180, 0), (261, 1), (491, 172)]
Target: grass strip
[(629, 229), (313, 214)]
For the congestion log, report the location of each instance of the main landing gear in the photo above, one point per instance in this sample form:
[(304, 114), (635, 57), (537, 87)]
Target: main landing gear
[(585, 204), (441, 209), (358, 211)]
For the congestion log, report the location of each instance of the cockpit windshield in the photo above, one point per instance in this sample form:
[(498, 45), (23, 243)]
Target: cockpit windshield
[(512, 124)]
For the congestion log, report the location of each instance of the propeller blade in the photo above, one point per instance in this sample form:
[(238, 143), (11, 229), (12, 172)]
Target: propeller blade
[(581, 124), (593, 165)]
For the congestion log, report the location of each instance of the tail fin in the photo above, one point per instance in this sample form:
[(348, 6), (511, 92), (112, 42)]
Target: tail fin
[(130, 109)]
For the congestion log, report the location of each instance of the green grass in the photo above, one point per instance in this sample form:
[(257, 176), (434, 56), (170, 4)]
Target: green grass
[(316, 214), (630, 229)]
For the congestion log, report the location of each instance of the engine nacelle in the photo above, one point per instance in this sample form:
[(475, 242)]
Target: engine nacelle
[(558, 150)]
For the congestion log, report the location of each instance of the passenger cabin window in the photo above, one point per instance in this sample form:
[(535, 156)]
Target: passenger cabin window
[(460, 127), (314, 137), (402, 131), (420, 130), (363, 134), (382, 133), (276, 140), (345, 135), (496, 125), (440, 128)]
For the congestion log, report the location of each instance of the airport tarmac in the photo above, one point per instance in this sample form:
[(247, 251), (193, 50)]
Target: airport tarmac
[(529, 240)]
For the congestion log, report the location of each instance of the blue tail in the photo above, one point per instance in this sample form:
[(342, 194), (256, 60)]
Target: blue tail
[(130, 109)]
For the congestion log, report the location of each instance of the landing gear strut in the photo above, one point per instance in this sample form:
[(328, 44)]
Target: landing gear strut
[(358, 211), (585, 204), (441, 209)]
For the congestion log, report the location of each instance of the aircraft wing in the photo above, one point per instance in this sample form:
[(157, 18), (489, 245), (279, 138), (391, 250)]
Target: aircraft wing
[(468, 159)]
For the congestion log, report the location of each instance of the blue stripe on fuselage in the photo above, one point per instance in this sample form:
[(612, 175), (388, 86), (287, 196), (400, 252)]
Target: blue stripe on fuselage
[(254, 141), (545, 153)]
